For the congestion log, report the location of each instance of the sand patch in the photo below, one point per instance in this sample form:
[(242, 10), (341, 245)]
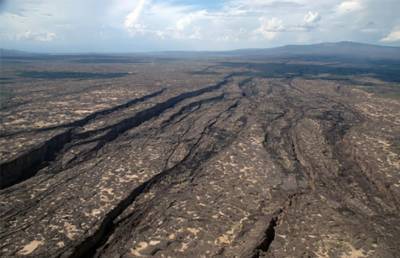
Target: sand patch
[(29, 248)]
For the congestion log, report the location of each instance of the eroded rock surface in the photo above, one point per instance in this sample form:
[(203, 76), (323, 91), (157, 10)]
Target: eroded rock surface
[(235, 166)]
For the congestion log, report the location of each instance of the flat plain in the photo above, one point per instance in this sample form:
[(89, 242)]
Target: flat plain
[(199, 156)]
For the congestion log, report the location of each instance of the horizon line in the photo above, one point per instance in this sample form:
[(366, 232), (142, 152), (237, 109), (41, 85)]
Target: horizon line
[(188, 51)]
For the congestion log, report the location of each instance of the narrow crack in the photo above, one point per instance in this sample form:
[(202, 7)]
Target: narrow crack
[(88, 247), (276, 219), (28, 164)]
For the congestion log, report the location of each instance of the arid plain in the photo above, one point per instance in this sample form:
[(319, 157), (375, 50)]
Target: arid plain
[(199, 156)]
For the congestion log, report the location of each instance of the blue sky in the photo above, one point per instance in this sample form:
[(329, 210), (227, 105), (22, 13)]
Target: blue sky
[(154, 25)]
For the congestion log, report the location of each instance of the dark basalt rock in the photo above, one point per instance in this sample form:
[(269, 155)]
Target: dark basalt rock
[(246, 166)]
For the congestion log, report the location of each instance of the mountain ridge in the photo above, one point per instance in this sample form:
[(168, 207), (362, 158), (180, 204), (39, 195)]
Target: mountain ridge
[(348, 49)]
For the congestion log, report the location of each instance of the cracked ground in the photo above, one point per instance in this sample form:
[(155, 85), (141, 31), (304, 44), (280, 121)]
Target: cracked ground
[(197, 159)]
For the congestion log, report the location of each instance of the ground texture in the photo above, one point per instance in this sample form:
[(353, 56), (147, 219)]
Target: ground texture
[(185, 162)]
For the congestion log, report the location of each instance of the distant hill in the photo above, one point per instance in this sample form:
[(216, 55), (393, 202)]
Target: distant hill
[(16, 53), (339, 50)]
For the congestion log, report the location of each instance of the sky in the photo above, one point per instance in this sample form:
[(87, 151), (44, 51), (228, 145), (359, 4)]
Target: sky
[(155, 25)]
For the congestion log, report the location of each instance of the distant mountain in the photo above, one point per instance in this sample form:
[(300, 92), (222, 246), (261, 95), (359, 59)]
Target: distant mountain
[(341, 49), (16, 53)]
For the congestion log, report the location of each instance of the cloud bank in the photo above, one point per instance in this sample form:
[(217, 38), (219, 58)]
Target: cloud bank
[(146, 25), (393, 36)]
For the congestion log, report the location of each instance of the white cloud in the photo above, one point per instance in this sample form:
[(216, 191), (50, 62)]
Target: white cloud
[(393, 36), (270, 27), (182, 25), (311, 18), (36, 36), (349, 6), (310, 21), (243, 7), (131, 20), (189, 19)]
